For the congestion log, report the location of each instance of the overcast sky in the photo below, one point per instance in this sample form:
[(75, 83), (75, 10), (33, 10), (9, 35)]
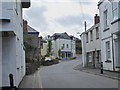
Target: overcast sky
[(56, 16)]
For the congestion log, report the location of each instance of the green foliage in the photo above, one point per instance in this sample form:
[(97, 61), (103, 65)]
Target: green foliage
[(49, 47), (59, 53), (28, 47)]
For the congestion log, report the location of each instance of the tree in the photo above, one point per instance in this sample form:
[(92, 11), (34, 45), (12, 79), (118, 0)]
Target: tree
[(59, 53), (49, 47)]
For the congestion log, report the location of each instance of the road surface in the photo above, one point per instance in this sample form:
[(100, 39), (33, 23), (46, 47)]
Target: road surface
[(63, 75)]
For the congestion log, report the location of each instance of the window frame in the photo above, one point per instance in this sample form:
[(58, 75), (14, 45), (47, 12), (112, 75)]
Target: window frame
[(106, 19), (108, 51), (115, 10)]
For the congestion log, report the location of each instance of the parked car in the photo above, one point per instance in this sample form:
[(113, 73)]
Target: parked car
[(48, 59)]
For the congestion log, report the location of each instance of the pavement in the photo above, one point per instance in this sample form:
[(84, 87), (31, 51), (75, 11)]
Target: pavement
[(31, 81), (109, 74)]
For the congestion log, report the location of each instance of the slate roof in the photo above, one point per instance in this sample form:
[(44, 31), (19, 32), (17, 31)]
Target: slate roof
[(61, 35), (31, 30)]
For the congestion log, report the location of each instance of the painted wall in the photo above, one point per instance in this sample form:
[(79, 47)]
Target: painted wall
[(44, 50), (13, 56), (91, 45), (0, 60), (56, 45), (109, 35)]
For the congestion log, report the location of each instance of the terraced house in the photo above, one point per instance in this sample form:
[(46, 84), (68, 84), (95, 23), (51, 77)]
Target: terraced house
[(91, 45), (11, 29), (110, 33)]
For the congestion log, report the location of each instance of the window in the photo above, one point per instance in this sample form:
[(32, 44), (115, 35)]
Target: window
[(67, 46), (86, 37), (115, 9), (91, 35), (97, 33), (63, 46), (108, 56), (105, 19)]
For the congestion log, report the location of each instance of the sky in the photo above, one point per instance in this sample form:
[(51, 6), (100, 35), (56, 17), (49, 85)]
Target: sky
[(59, 16)]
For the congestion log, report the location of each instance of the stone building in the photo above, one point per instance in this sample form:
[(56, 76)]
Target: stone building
[(31, 42)]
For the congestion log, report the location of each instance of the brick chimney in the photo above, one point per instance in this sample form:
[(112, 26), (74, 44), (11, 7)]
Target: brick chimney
[(25, 26), (96, 19)]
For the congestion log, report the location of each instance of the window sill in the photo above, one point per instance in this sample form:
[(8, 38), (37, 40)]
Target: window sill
[(108, 61), (115, 21), (106, 29)]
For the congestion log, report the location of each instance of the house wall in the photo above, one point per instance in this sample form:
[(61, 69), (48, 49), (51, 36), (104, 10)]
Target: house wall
[(91, 46), (0, 60), (56, 45), (12, 45), (44, 50), (111, 34), (32, 46), (83, 41), (95, 43)]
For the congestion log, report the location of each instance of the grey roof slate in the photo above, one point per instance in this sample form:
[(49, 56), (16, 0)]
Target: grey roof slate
[(61, 35)]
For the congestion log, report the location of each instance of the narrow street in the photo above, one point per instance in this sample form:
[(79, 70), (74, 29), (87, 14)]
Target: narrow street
[(63, 75)]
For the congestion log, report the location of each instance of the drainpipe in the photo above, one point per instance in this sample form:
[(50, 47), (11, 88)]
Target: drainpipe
[(113, 53)]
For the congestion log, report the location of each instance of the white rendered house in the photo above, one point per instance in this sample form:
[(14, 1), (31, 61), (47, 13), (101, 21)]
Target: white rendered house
[(64, 43), (110, 33), (11, 30), (91, 45)]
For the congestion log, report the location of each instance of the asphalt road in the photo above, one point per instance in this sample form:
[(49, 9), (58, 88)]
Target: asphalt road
[(63, 75)]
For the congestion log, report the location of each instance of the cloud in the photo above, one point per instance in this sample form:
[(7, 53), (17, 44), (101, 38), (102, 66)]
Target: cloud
[(72, 20), (35, 16), (52, 16)]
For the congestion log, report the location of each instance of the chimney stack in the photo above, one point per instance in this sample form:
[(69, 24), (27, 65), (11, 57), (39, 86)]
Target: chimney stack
[(25, 26), (96, 19)]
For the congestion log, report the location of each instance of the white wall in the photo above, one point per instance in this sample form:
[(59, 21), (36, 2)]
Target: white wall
[(108, 35), (59, 43), (8, 59), (83, 40), (91, 45), (0, 60), (13, 55), (96, 43), (44, 50)]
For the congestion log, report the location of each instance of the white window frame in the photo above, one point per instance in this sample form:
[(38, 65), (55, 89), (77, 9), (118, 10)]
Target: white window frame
[(106, 19), (115, 9), (108, 51)]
